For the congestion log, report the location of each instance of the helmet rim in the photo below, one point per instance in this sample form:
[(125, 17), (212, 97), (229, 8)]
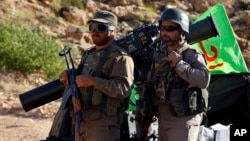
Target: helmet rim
[(177, 16)]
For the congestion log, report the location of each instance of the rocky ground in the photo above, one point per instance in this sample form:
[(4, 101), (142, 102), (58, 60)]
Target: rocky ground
[(15, 123), (15, 128)]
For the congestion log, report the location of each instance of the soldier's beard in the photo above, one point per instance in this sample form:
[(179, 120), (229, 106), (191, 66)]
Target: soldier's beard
[(102, 41)]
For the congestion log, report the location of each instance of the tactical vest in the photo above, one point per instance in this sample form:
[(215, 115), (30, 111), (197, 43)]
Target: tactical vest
[(99, 100), (165, 79)]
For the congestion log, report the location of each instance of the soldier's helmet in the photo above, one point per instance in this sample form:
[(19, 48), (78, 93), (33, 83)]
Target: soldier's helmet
[(177, 16)]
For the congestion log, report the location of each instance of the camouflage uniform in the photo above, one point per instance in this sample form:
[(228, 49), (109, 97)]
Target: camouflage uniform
[(193, 70), (103, 116)]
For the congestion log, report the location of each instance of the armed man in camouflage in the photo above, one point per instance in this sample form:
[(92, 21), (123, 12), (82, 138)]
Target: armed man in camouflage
[(110, 86), (178, 74)]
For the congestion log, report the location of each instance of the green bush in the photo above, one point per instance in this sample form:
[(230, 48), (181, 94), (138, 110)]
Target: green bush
[(29, 51), (77, 3)]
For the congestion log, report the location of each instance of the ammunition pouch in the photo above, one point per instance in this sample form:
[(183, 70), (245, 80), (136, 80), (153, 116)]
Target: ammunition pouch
[(177, 100), (188, 101), (112, 106), (102, 104), (109, 105), (97, 97), (92, 114)]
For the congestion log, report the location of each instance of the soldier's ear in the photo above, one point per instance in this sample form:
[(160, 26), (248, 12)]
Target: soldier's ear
[(112, 32)]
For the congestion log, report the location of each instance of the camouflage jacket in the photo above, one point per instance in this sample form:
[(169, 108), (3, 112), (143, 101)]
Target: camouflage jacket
[(192, 69), (114, 84)]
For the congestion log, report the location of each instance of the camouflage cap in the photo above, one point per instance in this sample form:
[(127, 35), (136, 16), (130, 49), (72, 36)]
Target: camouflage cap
[(106, 17)]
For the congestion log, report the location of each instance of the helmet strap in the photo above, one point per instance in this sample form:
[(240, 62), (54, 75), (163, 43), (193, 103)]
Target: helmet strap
[(182, 37)]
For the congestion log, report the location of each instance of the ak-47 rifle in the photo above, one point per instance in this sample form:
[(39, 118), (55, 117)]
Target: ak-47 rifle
[(149, 111), (73, 91)]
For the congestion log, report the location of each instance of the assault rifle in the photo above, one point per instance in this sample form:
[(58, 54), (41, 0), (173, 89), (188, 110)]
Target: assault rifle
[(150, 111), (73, 91)]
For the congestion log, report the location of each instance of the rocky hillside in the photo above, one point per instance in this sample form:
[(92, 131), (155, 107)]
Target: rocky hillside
[(70, 22)]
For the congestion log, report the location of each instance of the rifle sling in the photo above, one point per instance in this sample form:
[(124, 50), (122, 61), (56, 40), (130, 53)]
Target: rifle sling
[(157, 69), (103, 59), (97, 72)]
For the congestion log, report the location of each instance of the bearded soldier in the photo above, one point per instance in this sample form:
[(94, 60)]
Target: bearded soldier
[(106, 71)]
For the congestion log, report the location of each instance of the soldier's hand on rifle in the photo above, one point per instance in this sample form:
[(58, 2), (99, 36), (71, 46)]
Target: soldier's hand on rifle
[(174, 58), (84, 81), (63, 77)]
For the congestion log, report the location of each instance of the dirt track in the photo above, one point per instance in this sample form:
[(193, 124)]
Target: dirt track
[(15, 123), (23, 129)]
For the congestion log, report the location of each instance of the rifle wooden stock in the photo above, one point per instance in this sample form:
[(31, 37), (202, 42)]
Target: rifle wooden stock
[(144, 132), (77, 110), (77, 104)]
